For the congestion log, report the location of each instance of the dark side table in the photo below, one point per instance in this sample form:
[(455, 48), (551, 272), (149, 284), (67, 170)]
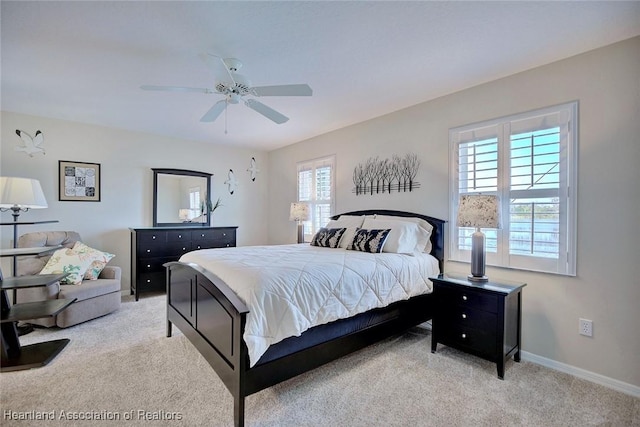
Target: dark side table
[(480, 318), (15, 357)]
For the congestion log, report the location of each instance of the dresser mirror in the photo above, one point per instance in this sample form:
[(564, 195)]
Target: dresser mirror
[(180, 198)]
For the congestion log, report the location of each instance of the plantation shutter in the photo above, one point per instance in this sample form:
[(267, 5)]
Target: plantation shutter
[(316, 187), (530, 161)]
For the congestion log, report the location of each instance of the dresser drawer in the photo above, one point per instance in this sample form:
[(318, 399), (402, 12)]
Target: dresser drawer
[(468, 298), (179, 236), (155, 280), (174, 249), (151, 237), (152, 265)]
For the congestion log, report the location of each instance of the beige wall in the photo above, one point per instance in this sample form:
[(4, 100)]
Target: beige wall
[(606, 290), (126, 160)]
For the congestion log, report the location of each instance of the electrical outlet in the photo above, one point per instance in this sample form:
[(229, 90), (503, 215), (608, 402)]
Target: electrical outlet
[(585, 327)]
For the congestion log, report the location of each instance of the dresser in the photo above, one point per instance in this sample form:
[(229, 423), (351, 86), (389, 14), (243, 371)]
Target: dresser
[(152, 247), (480, 318)]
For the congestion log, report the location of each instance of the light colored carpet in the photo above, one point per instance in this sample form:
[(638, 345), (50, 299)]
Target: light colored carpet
[(122, 365)]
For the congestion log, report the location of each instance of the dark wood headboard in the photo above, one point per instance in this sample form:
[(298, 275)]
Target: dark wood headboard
[(437, 235)]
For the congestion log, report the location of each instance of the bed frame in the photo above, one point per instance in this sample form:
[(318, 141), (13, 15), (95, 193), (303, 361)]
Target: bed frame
[(213, 318)]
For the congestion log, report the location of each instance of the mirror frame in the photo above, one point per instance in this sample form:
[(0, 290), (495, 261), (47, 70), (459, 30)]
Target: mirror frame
[(184, 172)]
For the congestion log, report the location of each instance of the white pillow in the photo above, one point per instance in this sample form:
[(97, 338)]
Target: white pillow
[(351, 223), (405, 237), (421, 222), (68, 261)]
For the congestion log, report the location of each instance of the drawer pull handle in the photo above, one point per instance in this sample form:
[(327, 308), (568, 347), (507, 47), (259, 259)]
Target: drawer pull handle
[(464, 297), (198, 247), (464, 316), (224, 234), (184, 249), (148, 265), (227, 244), (148, 250), (464, 335), (154, 237), (202, 235), (148, 280), (179, 236)]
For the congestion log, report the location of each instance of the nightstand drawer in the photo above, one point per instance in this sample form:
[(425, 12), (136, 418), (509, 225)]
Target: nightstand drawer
[(466, 317), (480, 341), (468, 298)]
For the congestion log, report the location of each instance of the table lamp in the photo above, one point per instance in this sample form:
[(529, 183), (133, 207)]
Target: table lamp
[(299, 212), (479, 211)]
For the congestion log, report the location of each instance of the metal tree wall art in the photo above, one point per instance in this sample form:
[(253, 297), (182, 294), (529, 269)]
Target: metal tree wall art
[(384, 176)]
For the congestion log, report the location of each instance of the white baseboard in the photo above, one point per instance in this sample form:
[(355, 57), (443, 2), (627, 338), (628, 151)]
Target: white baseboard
[(582, 373)]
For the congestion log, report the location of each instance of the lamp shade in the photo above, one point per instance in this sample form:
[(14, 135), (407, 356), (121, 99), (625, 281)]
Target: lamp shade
[(185, 214), (299, 212), (479, 211), (23, 193)]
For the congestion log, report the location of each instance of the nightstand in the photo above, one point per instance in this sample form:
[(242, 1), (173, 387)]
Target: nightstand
[(480, 318)]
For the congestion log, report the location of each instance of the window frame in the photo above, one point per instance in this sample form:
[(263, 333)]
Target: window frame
[(314, 223), (499, 253)]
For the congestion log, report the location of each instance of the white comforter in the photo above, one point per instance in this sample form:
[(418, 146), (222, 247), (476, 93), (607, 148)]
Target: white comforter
[(291, 288)]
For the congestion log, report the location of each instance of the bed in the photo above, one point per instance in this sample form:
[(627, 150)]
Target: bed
[(208, 301)]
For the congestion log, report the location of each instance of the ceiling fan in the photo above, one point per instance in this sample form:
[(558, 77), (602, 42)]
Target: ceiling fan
[(235, 87)]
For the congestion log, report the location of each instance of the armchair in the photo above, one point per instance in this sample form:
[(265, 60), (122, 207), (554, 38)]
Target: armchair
[(94, 298)]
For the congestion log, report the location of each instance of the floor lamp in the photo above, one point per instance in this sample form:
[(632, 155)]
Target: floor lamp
[(19, 195), (478, 211), (299, 212)]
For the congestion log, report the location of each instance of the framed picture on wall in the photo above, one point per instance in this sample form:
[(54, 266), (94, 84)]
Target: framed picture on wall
[(78, 181)]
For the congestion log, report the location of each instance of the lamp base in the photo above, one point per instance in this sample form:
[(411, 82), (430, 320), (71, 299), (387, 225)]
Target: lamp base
[(473, 278)]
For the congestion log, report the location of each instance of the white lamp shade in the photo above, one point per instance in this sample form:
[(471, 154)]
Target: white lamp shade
[(479, 211), (24, 193), (185, 214), (299, 212)]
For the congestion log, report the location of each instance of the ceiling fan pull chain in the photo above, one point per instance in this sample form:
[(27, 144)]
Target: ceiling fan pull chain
[(225, 119)]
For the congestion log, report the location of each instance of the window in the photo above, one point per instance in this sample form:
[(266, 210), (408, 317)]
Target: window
[(194, 201), (530, 161), (317, 188)]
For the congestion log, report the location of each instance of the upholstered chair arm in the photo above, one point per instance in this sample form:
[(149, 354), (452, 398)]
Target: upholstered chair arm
[(111, 272)]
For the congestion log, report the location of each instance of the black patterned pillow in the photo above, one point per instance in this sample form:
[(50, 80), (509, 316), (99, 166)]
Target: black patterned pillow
[(328, 237), (369, 240)]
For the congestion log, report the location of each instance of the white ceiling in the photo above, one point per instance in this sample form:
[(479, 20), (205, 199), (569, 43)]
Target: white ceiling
[(84, 61)]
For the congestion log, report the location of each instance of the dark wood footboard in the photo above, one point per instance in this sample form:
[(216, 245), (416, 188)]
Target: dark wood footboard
[(202, 306), (213, 318)]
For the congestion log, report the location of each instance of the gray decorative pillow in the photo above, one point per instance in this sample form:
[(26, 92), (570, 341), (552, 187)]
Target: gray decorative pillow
[(369, 240), (328, 237)]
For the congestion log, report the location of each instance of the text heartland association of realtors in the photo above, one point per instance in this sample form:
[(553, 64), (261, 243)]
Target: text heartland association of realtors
[(134, 414)]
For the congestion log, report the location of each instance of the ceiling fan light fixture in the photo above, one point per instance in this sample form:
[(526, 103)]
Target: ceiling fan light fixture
[(234, 87)]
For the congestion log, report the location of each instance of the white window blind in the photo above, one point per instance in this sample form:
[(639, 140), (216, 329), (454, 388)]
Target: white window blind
[(530, 162), (194, 201), (316, 187)]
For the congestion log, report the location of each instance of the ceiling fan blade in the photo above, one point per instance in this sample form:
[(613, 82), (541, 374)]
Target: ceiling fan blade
[(215, 111), (177, 89), (268, 112), (283, 90)]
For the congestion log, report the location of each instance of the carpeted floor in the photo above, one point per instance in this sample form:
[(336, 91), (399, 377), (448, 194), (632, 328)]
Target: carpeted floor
[(123, 369)]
